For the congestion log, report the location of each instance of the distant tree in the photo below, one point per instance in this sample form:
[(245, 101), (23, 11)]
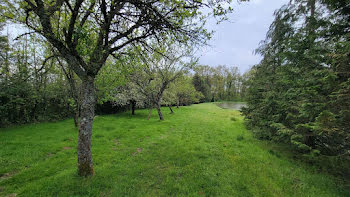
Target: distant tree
[(232, 83), (244, 84), (169, 97), (202, 86), (4, 55), (31, 90), (160, 71), (186, 94), (130, 94), (218, 83)]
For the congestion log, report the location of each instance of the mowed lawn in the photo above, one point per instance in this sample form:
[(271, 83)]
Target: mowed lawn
[(201, 150)]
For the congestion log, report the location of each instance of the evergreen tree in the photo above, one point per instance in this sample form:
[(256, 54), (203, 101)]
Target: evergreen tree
[(298, 93)]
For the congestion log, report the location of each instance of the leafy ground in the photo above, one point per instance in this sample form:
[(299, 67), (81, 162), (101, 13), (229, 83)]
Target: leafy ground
[(201, 150)]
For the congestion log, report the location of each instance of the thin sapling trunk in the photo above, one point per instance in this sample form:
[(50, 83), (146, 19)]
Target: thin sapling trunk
[(133, 106), (149, 113), (171, 110)]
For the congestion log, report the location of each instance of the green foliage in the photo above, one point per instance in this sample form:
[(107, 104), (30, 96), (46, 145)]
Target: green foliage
[(299, 93), (114, 74), (128, 93), (240, 138), (220, 83), (31, 91), (185, 92), (202, 86)]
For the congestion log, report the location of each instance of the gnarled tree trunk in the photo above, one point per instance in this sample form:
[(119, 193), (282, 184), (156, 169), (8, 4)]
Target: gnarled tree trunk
[(159, 111), (171, 110), (159, 99), (85, 165)]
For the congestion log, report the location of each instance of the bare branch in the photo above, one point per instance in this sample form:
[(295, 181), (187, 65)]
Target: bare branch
[(47, 59), (20, 36), (69, 5), (72, 21)]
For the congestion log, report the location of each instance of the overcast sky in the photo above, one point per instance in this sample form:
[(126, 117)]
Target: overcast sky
[(234, 42)]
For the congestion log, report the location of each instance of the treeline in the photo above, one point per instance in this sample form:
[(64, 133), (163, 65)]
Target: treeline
[(166, 83), (30, 92), (36, 85), (299, 94), (220, 83)]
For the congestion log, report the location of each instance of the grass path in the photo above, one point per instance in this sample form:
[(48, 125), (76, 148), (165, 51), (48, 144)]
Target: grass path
[(201, 150)]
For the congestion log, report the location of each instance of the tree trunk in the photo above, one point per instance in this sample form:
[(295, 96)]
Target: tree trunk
[(34, 111), (149, 113), (178, 103), (159, 99), (159, 111), (171, 110), (133, 104), (76, 118), (85, 165)]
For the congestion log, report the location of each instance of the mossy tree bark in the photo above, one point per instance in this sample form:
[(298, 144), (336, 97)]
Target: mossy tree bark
[(85, 165)]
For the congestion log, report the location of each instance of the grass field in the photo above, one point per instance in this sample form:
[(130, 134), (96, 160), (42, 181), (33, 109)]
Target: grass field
[(201, 150)]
